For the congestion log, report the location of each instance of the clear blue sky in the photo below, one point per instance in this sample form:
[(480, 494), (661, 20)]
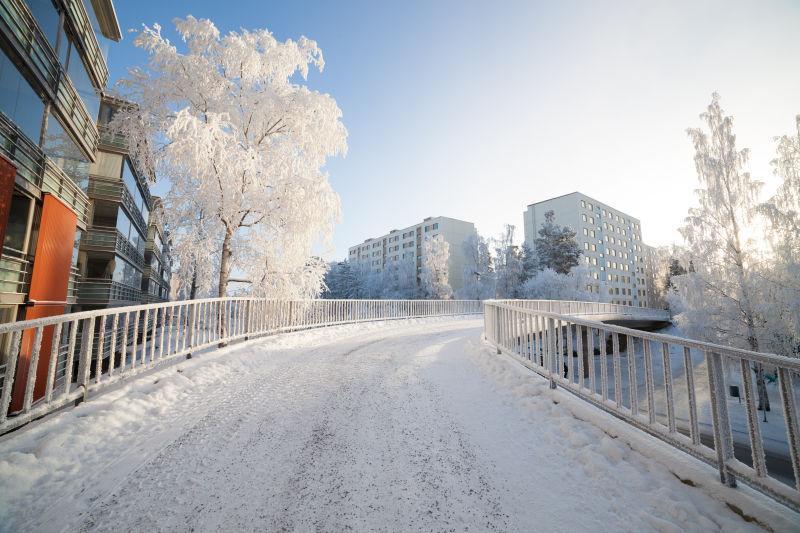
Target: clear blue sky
[(475, 109)]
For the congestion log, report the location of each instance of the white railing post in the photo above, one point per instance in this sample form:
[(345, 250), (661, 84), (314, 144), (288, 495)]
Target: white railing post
[(190, 329), (723, 438)]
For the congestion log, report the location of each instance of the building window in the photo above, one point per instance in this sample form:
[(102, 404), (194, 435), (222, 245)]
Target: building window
[(126, 273), (17, 227), (19, 101), (60, 147)]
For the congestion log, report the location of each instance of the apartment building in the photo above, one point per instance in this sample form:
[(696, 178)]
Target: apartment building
[(157, 260), (52, 70), (406, 245), (111, 259), (610, 241)]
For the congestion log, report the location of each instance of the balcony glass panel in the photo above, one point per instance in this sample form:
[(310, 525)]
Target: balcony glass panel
[(65, 153), (19, 101), (123, 224), (47, 17), (133, 186), (126, 273), (79, 76)]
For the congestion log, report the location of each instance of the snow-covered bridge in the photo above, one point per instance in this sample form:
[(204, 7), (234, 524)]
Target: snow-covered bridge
[(385, 425)]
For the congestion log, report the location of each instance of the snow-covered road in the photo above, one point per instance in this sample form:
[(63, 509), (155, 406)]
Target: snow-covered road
[(401, 426)]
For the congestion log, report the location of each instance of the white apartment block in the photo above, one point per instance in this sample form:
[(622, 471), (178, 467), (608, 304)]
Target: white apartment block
[(406, 245), (610, 241)]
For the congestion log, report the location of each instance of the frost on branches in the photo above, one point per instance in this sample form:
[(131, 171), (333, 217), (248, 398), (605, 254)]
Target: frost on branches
[(434, 277), (738, 289), (478, 273), (243, 145)]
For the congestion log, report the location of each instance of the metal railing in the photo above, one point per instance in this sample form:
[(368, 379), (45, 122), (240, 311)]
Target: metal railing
[(110, 239), (15, 273), (93, 291), (672, 388), (601, 310), (139, 337)]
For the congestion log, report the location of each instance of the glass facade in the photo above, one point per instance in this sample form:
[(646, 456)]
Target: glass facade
[(47, 17), (126, 273), (129, 231), (79, 76), (19, 101), (65, 153), (132, 184)]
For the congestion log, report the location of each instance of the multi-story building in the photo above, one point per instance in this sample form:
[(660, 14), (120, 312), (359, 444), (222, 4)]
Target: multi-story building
[(157, 260), (111, 259), (407, 245), (610, 241), (52, 70)]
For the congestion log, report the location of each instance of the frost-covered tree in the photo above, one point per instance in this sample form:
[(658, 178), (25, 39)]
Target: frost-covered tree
[(716, 302), (530, 263), (193, 248), (435, 273), (781, 306), (400, 280), (548, 284), (240, 140), (556, 246), (478, 275), (341, 281), (508, 265)]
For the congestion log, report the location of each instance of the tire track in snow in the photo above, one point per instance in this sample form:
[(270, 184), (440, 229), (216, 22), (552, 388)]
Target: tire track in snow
[(361, 445)]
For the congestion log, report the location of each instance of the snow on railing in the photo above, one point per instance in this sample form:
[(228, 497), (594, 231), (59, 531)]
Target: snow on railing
[(607, 311), (69, 364), (650, 382)]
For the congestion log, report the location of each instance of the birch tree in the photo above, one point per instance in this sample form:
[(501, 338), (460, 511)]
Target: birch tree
[(508, 264), (782, 280), (478, 277), (225, 119), (716, 301)]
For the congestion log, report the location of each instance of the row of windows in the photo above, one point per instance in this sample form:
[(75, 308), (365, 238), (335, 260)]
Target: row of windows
[(610, 214), (409, 244)]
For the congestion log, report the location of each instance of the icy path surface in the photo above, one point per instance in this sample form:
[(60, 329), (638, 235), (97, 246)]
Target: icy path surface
[(385, 427)]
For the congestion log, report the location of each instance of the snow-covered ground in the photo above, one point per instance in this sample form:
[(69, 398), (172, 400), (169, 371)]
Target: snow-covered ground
[(398, 426)]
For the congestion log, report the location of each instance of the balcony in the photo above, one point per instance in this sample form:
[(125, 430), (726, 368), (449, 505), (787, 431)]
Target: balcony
[(151, 248), (82, 27), (15, 277), (104, 239), (111, 139), (37, 174), (32, 48), (98, 291), (115, 191)]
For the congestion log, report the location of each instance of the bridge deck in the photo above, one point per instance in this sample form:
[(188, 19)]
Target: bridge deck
[(393, 427)]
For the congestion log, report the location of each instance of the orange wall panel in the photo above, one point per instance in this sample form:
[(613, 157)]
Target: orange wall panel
[(48, 292)]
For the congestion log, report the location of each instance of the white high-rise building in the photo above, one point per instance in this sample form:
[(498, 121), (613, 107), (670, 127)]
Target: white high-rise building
[(406, 245), (610, 241)]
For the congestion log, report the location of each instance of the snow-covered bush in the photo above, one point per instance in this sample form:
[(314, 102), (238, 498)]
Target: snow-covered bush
[(548, 284)]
